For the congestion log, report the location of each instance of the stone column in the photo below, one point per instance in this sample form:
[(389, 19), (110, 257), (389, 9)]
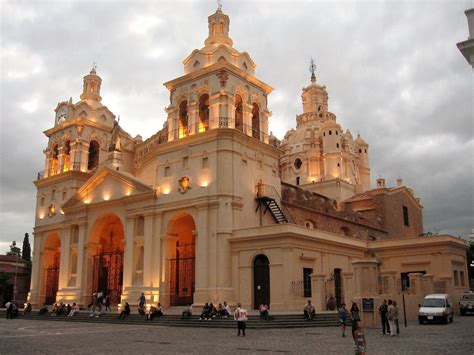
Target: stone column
[(366, 274), (84, 155), (428, 284), (318, 291), (168, 244), (391, 287), (33, 296), (201, 278), (193, 117), (148, 251), (128, 261), (156, 252), (64, 261), (81, 259), (416, 283)]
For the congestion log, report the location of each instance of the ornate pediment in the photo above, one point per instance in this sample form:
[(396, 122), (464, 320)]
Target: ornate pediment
[(107, 184)]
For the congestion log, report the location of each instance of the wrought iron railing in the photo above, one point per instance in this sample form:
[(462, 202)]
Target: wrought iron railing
[(222, 122), (58, 170)]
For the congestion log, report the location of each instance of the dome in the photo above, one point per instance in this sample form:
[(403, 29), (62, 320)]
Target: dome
[(360, 141)]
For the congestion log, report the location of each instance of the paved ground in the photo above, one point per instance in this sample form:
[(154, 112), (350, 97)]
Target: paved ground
[(47, 337)]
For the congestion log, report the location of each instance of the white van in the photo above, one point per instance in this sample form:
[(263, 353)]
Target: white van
[(436, 307)]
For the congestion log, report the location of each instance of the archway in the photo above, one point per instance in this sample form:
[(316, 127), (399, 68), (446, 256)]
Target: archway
[(183, 130), (181, 258), (239, 113), (94, 151), (50, 261), (261, 281), (255, 121), (204, 113), (106, 246)]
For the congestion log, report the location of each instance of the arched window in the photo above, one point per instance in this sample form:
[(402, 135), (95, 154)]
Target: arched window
[(204, 113), (309, 224), (54, 160), (213, 28), (222, 27), (183, 119), (255, 121), (92, 87), (239, 113), (67, 156), (93, 161)]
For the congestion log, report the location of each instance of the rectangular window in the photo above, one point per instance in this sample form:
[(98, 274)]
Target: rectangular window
[(307, 281), (167, 171), (456, 278), (461, 276), (405, 216), (185, 162), (205, 163)]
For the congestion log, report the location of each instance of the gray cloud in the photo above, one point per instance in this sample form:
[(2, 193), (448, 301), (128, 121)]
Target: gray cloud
[(392, 71)]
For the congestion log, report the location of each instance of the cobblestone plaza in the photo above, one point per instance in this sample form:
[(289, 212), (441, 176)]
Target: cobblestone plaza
[(46, 337)]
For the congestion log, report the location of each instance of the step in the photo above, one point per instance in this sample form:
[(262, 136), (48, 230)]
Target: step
[(279, 321)]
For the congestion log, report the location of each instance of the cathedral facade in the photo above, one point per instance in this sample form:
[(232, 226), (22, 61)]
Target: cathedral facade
[(213, 208)]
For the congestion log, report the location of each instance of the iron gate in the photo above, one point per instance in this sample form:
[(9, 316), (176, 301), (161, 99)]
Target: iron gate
[(182, 281), (108, 274), (52, 280)]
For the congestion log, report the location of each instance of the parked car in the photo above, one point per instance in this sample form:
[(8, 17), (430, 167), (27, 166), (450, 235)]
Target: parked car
[(466, 304), (436, 307)]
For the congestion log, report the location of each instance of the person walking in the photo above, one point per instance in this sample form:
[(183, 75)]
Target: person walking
[(342, 314), (391, 318), (107, 301), (383, 317), (240, 315), (355, 318), (9, 307)]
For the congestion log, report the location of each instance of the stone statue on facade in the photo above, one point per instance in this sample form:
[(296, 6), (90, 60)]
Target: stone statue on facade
[(115, 143)]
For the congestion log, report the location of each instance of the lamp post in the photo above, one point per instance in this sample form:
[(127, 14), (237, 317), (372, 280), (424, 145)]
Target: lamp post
[(14, 282)]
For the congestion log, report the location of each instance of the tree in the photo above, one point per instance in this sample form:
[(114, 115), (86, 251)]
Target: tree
[(26, 250)]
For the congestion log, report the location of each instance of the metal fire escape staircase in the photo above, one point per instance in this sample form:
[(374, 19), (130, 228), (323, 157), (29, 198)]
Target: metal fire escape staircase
[(267, 197)]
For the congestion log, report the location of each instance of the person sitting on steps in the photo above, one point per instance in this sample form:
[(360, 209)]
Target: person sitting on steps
[(205, 313), (125, 312), (264, 311), (309, 311), (187, 312)]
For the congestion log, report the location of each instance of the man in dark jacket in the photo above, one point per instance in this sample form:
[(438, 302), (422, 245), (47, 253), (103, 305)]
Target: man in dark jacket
[(383, 317)]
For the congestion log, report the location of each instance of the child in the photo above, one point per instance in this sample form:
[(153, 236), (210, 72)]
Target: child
[(240, 315), (359, 338)]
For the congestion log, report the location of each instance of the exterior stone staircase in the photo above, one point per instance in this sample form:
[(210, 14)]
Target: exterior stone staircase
[(326, 319)]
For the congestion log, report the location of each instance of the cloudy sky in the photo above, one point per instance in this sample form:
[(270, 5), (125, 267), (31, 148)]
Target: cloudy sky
[(392, 70)]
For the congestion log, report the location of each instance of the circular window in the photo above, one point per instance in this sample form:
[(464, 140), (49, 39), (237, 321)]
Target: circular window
[(298, 163)]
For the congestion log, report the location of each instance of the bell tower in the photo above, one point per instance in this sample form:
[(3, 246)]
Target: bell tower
[(218, 29), (91, 88)]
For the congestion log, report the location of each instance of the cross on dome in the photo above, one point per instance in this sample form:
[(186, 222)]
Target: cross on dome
[(312, 69)]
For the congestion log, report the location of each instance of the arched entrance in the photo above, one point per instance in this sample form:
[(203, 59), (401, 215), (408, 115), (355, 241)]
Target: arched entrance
[(106, 246), (181, 258), (50, 260), (261, 281)]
